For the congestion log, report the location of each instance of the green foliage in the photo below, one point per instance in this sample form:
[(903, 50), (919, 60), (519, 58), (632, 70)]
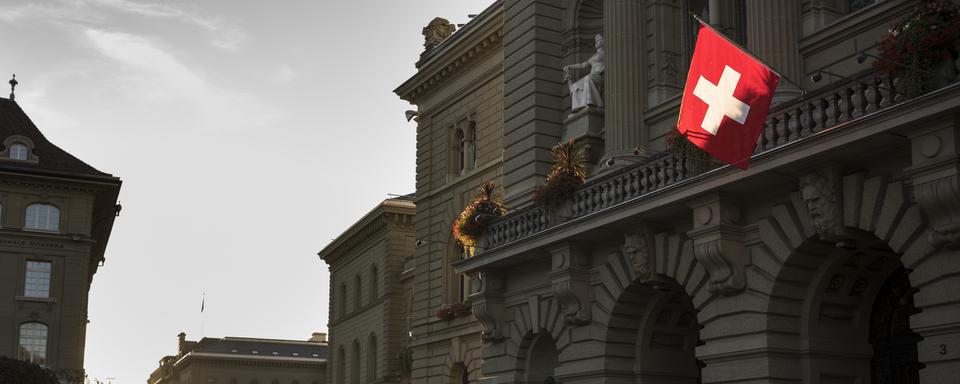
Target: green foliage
[(16, 371)]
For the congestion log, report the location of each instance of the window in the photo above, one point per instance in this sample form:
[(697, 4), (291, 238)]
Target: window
[(37, 279), (44, 217), (19, 152), (374, 283), (357, 292), (343, 300), (461, 151), (372, 358), (33, 343)]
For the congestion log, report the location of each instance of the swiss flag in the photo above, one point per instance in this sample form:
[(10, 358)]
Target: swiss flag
[(726, 99)]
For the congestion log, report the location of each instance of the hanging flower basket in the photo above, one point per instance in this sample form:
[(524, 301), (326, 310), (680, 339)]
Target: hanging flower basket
[(921, 49), (568, 173), (453, 311), (473, 221)]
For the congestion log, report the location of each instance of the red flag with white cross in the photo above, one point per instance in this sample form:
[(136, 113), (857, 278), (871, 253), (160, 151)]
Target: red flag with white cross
[(726, 99)]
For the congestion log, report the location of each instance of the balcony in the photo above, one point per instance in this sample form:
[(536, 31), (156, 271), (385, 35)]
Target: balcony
[(851, 111)]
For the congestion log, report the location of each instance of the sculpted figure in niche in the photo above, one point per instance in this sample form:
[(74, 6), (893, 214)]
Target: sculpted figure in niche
[(819, 194), (588, 90)]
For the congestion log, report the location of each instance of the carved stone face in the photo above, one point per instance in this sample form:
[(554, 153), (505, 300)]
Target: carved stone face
[(635, 249), (820, 208), (598, 41)]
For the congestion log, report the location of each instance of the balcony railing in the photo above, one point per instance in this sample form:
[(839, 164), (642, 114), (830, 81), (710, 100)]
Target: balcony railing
[(787, 123)]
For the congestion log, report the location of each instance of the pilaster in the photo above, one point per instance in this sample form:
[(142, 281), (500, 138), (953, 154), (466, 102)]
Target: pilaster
[(570, 275), (718, 242)]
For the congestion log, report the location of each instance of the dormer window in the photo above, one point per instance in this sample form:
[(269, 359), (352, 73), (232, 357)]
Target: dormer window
[(19, 152), (18, 148)]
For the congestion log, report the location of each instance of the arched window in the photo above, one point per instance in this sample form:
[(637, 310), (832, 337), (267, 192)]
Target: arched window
[(355, 364), (19, 152), (372, 358), (44, 217), (461, 151), (357, 292), (33, 343), (343, 300), (341, 361), (374, 283)]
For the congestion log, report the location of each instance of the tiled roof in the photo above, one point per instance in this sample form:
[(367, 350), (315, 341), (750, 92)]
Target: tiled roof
[(14, 121)]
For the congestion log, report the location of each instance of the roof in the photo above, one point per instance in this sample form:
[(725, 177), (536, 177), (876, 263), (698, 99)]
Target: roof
[(242, 346), (400, 205), (51, 158)]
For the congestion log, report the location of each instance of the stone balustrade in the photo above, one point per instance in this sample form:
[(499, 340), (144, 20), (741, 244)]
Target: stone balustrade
[(788, 122)]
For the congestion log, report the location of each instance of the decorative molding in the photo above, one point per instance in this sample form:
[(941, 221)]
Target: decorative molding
[(436, 32), (570, 277), (936, 180), (488, 306), (718, 243)]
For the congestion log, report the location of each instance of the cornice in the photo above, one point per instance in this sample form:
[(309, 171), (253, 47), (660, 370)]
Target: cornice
[(392, 214), (464, 48)]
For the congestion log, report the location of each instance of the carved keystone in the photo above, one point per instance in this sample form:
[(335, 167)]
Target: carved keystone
[(936, 179), (570, 275), (718, 243), (488, 307), (822, 195), (637, 249)]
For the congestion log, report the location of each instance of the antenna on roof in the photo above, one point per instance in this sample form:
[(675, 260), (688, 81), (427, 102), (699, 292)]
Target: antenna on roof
[(13, 86)]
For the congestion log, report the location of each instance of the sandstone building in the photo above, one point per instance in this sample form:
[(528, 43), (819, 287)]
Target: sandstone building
[(370, 295), (56, 215), (243, 360), (832, 259)]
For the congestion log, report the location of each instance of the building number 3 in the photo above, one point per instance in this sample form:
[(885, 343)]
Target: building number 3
[(943, 349)]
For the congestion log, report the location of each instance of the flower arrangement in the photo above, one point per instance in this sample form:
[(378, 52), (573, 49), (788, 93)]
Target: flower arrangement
[(471, 224), (918, 44), (453, 311), (569, 171)]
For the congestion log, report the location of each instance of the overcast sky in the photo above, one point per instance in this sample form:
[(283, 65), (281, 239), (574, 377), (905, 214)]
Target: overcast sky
[(248, 134)]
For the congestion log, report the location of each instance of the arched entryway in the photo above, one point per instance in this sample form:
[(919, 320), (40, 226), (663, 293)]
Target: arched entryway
[(652, 335), (541, 359)]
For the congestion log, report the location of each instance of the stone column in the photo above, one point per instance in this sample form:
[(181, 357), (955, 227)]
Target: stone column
[(935, 174), (773, 34), (623, 79)]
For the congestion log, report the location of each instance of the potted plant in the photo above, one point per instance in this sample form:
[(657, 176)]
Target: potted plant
[(568, 173), (446, 314), (921, 49), (475, 217), (460, 310)]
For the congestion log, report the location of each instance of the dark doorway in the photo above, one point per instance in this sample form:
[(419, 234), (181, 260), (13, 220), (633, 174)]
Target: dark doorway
[(894, 343)]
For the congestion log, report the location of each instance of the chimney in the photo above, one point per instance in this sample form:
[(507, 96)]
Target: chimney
[(318, 337), (181, 342)]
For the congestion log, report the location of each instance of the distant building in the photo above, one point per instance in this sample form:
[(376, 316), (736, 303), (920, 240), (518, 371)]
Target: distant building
[(56, 215), (371, 294), (235, 360)]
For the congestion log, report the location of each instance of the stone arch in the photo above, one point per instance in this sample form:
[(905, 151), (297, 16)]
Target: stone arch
[(823, 285), (462, 360), (651, 325)]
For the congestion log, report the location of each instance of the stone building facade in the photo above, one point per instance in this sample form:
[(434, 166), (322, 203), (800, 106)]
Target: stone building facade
[(56, 215), (370, 295), (244, 360), (832, 259)]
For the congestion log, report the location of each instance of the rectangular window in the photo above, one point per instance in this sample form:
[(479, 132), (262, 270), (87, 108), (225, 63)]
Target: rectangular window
[(37, 281)]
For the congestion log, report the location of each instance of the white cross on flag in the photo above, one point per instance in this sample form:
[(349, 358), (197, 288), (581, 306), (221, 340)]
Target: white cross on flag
[(726, 99)]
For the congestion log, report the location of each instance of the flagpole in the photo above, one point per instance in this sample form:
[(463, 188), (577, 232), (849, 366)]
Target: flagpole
[(770, 67), (203, 303)]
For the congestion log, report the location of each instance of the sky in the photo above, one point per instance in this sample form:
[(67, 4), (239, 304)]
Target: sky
[(248, 135)]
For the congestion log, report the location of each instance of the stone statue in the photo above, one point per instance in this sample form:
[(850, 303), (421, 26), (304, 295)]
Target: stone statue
[(635, 248), (818, 193), (588, 90), (436, 32)]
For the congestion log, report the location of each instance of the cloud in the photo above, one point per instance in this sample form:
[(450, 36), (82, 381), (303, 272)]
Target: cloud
[(284, 75), (160, 75), (227, 37)]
